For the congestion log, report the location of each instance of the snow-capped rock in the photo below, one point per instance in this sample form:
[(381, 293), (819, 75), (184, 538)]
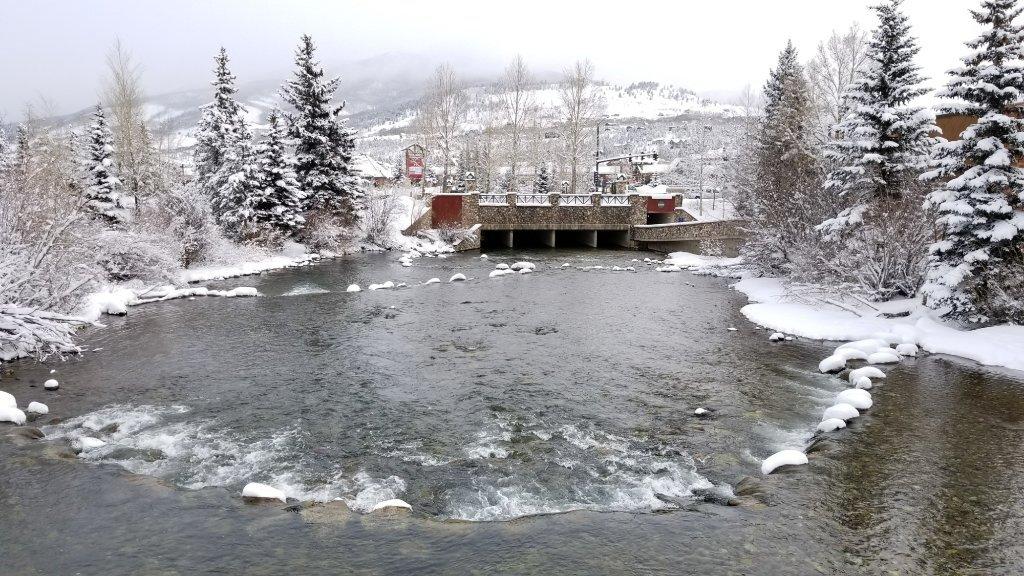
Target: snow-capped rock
[(501, 266), (51, 384), (433, 281), (831, 425), (525, 271), (700, 412), (500, 272), (859, 399), (885, 357), (783, 458), (241, 292), (669, 268), (842, 411), (833, 363), (851, 353), (523, 265), (394, 503), (777, 337), (457, 278), (382, 286), (7, 400), (863, 383), (37, 408), (86, 443), (255, 490), (907, 349), (865, 372), (12, 415), (353, 288)]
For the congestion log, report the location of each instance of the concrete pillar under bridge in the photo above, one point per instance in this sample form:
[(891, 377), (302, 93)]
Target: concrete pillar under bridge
[(507, 237), (547, 238)]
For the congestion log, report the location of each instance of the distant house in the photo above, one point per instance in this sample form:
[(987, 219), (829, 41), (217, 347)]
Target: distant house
[(951, 126), (372, 170)]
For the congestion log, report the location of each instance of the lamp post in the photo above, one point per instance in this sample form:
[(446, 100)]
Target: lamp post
[(597, 154)]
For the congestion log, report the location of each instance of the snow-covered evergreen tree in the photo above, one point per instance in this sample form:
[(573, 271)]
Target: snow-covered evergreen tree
[(323, 144), (780, 205), (238, 187), (278, 200), (221, 128), (884, 139), (542, 184), (103, 187), (976, 269)]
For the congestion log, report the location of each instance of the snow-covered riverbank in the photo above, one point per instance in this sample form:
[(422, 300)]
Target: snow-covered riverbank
[(819, 314)]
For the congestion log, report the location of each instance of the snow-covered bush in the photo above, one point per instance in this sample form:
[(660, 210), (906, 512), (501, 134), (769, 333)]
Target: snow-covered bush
[(382, 212)]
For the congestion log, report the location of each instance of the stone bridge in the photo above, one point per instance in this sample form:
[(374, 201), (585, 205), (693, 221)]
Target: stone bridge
[(596, 220)]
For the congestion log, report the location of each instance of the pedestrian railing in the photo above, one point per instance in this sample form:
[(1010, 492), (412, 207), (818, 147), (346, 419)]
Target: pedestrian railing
[(575, 200), (532, 200), (494, 199), (614, 200)]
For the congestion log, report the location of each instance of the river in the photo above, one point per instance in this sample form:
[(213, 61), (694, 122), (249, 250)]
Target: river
[(537, 424)]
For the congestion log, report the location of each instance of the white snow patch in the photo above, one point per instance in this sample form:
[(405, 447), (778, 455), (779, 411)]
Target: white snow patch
[(883, 357), (833, 363), (262, 491), (907, 349), (392, 503), (783, 458), (859, 399), (12, 415), (842, 411), (831, 425)]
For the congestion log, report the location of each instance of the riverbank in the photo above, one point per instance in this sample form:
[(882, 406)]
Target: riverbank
[(817, 313)]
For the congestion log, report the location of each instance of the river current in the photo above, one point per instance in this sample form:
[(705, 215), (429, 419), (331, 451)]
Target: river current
[(535, 423)]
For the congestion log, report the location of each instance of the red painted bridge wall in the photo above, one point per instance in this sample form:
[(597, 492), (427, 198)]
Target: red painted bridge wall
[(446, 210), (661, 206)]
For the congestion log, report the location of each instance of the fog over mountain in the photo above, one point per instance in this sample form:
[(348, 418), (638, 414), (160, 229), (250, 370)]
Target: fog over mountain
[(55, 49)]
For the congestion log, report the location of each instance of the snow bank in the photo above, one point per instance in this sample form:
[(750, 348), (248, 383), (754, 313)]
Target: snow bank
[(263, 492), (690, 260), (774, 307), (783, 458), (12, 415), (205, 274)]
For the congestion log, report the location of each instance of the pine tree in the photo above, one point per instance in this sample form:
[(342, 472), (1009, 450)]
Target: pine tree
[(976, 269), (542, 184), (778, 206), (278, 201), (885, 140), (221, 129), (103, 186), (323, 144)]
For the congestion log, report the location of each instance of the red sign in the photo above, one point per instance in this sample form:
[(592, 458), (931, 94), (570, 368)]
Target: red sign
[(415, 162)]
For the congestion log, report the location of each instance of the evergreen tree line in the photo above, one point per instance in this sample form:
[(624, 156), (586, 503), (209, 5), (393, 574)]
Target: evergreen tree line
[(885, 206), (297, 178)]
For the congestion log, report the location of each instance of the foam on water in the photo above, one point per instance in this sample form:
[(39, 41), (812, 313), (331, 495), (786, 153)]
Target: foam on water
[(304, 289)]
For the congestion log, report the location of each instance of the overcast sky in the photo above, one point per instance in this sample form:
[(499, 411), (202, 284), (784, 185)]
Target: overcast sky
[(56, 48)]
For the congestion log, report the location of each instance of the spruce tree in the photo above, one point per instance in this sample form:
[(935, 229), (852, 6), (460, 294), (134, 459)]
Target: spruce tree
[(221, 129), (323, 144), (778, 206), (278, 200), (884, 139), (542, 184), (976, 269), (103, 186)]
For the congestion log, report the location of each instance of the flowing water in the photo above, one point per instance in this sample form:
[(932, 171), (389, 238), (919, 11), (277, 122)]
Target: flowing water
[(536, 423)]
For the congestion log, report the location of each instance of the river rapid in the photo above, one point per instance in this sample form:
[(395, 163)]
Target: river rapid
[(539, 423)]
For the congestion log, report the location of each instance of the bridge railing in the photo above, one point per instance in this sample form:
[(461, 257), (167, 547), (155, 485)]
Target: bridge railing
[(494, 199), (532, 200), (614, 200), (575, 200)]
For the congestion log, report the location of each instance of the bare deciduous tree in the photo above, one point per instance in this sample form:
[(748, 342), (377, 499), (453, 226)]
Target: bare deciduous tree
[(833, 69), (518, 106), (445, 109), (123, 94), (581, 105)]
